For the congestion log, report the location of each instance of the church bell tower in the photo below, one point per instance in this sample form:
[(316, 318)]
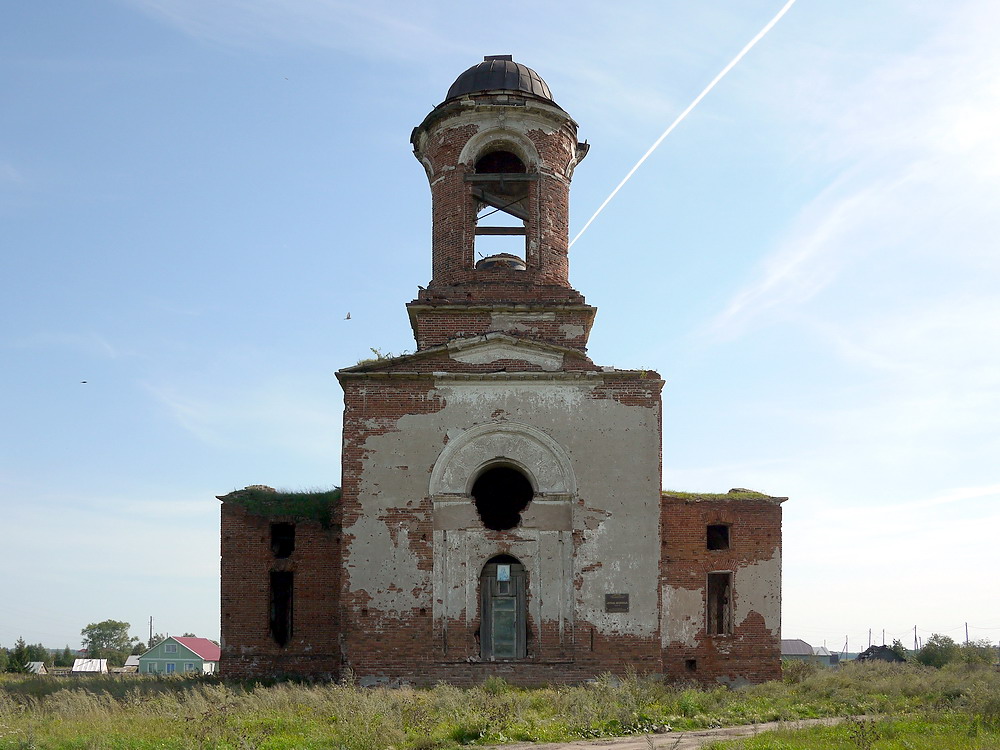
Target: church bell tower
[(499, 155)]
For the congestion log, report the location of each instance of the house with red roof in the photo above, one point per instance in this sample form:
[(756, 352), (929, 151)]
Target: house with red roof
[(181, 655)]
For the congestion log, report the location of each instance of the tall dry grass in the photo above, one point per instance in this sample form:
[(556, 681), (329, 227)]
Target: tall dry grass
[(139, 712)]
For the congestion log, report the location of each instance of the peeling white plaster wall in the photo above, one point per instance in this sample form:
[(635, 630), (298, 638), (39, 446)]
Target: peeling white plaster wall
[(757, 588), (683, 615), (614, 452)]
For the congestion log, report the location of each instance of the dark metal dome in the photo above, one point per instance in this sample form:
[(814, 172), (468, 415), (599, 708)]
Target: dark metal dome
[(499, 73)]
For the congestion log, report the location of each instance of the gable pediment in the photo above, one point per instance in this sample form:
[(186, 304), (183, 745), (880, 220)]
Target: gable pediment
[(477, 350), (492, 347)]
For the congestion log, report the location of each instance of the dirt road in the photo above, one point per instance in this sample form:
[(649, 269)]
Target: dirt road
[(692, 740)]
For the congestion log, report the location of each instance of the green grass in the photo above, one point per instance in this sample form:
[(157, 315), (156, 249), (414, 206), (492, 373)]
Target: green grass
[(175, 712), (305, 505), (933, 731), (735, 494)]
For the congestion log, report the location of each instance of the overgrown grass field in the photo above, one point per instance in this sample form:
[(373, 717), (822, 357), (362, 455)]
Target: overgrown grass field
[(914, 705)]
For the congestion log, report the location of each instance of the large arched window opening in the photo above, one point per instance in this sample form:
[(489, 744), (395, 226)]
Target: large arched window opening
[(501, 494), (503, 621), (501, 194)]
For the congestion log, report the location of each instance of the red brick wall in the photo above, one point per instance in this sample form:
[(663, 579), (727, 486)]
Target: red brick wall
[(751, 651), (247, 560), (433, 326)]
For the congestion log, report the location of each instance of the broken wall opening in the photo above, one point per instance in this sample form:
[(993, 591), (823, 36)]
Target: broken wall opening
[(719, 619), (280, 615), (282, 539), (501, 494), (717, 535)]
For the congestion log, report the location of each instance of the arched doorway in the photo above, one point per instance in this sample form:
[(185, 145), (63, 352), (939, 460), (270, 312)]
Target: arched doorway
[(503, 620)]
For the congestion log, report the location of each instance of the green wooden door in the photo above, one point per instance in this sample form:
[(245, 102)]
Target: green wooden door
[(503, 618)]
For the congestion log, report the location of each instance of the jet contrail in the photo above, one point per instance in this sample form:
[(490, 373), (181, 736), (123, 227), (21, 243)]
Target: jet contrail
[(682, 115)]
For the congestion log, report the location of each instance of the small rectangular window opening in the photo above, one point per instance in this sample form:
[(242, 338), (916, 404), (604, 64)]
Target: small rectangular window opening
[(280, 620), (691, 665), (282, 539), (498, 236), (719, 617), (718, 536)]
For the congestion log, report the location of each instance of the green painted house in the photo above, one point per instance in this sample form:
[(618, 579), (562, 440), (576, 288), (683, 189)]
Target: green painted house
[(181, 655)]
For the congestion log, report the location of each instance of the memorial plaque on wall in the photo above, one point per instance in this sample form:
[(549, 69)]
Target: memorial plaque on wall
[(616, 602)]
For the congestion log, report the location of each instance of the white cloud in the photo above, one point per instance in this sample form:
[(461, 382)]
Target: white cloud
[(372, 29), (275, 414), (920, 173)]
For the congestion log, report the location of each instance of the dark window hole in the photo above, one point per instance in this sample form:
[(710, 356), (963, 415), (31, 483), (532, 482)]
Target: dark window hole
[(720, 604), (501, 494), (282, 539), (500, 162), (280, 620), (718, 536)]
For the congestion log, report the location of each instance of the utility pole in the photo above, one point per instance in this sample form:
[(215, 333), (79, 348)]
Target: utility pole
[(915, 648), (869, 637), (966, 634), (883, 636), (150, 641)]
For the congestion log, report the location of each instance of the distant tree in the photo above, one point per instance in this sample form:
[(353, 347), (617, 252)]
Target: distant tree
[(139, 648), (189, 635), (17, 657), (938, 651), (4, 660), (978, 652), (108, 640), (38, 652), (64, 658), (156, 638), (900, 650)]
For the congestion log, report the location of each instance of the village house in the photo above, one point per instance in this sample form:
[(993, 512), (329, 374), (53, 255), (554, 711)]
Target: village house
[(180, 655), (501, 510)]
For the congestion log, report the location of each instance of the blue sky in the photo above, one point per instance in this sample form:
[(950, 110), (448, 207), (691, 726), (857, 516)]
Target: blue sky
[(194, 194)]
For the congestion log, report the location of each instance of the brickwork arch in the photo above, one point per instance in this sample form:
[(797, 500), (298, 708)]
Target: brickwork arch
[(542, 460), (500, 139)]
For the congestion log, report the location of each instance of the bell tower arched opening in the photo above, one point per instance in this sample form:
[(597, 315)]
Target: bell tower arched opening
[(500, 195), (501, 494)]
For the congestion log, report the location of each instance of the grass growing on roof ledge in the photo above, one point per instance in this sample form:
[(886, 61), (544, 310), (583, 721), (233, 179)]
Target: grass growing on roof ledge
[(302, 505), (734, 494)]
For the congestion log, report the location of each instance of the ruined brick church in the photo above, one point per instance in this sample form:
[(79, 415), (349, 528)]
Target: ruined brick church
[(501, 510)]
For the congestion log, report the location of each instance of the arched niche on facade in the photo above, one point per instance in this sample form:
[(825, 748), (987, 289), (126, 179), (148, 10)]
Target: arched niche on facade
[(531, 451)]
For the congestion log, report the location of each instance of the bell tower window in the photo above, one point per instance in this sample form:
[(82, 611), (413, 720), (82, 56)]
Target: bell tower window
[(500, 191)]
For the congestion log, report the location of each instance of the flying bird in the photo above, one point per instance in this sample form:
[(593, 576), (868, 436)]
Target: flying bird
[(347, 317)]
